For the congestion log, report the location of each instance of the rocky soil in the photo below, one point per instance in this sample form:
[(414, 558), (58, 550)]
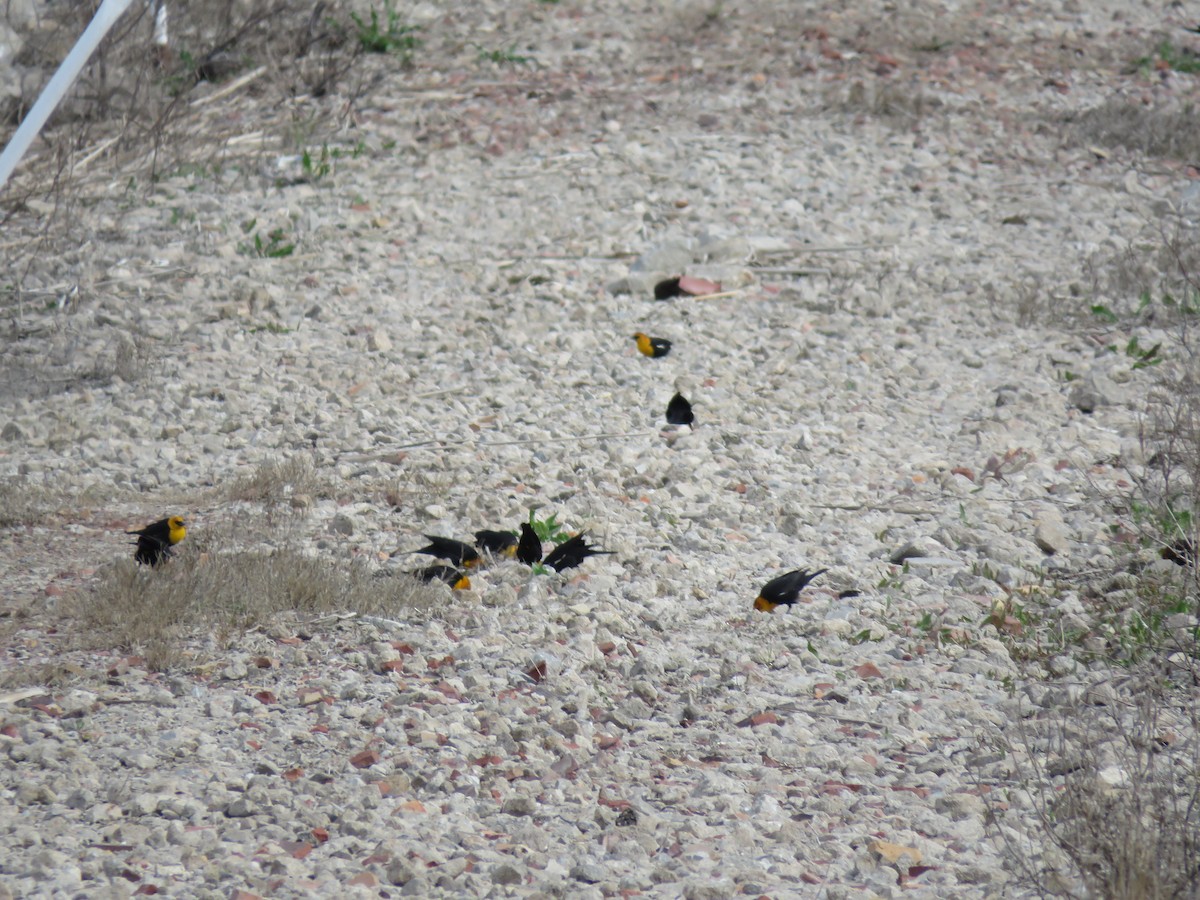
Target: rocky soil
[(902, 220)]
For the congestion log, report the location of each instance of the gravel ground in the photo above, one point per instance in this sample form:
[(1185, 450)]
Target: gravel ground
[(895, 226)]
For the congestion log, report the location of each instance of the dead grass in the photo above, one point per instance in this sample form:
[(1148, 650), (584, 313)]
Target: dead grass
[(138, 111), (22, 503), (1158, 132), (293, 481), (157, 613), (886, 99), (1115, 785)]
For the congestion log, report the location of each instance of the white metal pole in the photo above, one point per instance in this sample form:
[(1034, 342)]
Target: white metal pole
[(106, 16)]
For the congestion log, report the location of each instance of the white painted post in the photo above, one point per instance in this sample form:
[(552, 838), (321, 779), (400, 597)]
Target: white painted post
[(106, 16)]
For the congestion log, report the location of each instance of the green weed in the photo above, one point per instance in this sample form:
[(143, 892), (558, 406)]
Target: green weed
[(503, 57), (275, 246), (549, 528), (386, 33), (1178, 59)]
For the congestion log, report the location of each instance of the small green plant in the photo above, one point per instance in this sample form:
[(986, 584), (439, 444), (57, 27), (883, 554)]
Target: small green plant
[(318, 169), (502, 57), (893, 580), (386, 33), (1187, 305), (274, 247), (549, 528), (1178, 59), (1143, 357), (181, 79)]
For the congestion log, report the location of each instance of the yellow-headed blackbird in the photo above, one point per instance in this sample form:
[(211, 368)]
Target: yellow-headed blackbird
[(497, 543), (651, 346), (1182, 552), (154, 542), (679, 411), (529, 548), (784, 590), (447, 548), (571, 553), (456, 578)]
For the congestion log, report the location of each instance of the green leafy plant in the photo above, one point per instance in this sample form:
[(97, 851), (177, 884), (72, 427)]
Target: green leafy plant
[(1143, 357), (1178, 59), (549, 528), (502, 57), (275, 246), (318, 169), (386, 33)]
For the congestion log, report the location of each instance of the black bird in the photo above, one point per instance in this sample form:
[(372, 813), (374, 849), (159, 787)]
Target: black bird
[(456, 578), (497, 543), (154, 542), (1182, 552), (784, 590), (679, 411), (667, 288), (571, 553), (529, 548), (447, 548)]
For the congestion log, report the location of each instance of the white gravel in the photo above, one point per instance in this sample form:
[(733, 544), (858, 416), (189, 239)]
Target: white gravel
[(456, 321)]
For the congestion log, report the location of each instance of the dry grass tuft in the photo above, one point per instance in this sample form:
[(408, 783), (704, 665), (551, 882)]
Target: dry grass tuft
[(1172, 133), (883, 99), (155, 613), (1117, 796), (294, 481), (22, 503)]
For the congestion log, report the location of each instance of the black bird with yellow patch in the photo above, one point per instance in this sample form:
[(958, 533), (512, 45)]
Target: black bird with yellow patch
[(154, 542), (459, 553), (571, 553), (651, 346), (679, 411), (1182, 552), (456, 578), (529, 548), (784, 590), (497, 543)]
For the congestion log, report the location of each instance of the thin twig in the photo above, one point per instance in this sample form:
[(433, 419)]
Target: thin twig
[(848, 248), (100, 148), (229, 88), (719, 295), (788, 270)]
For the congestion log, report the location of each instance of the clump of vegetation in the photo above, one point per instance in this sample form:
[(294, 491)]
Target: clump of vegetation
[(276, 246), (155, 613), (386, 32), (280, 481), (1168, 56)]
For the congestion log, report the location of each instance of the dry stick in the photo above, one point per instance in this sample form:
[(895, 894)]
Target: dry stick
[(107, 282), (229, 88), (849, 248), (785, 270), (817, 713), (551, 440), (100, 148)]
